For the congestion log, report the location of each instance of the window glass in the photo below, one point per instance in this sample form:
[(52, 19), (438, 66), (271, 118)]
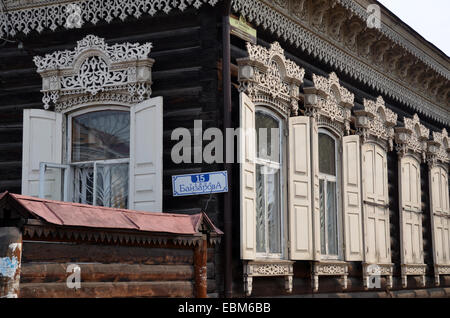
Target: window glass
[(273, 211), (332, 219), (100, 147), (268, 185), (328, 182), (260, 212), (267, 137), (323, 243), (327, 158), (101, 135)]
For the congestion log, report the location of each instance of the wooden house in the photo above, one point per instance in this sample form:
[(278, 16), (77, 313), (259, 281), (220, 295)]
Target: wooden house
[(352, 198)]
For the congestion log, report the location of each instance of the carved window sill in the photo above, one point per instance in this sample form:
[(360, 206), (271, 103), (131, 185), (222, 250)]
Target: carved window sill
[(413, 270), (328, 268), (373, 270), (268, 268), (440, 270)]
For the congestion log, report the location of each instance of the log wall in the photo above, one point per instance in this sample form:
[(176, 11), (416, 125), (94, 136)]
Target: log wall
[(106, 270)]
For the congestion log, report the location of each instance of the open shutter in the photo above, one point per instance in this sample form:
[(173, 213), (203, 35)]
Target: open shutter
[(300, 189), (436, 210), (439, 207), (315, 188), (446, 219), (410, 217), (376, 198), (146, 151), (383, 225), (352, 199), (42, 142), (247, 148)]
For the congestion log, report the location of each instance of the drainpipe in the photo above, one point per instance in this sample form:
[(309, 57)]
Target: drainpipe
[(226, 78)]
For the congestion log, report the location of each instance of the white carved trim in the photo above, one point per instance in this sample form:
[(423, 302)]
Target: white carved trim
[(328, 268), (39, 15), (413, 270), (330, 100), (279, 23), (95, 72), (377, 122), (266, 76), (42, 14), (440, 270), (439, 148), (396, 38), (269, 268), (413, 137), (384, 270)]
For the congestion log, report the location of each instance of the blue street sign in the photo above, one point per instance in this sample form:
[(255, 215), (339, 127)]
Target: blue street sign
[(200, 183)]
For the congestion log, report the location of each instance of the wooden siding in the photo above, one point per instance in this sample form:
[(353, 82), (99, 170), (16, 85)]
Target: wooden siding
[(106, 271)]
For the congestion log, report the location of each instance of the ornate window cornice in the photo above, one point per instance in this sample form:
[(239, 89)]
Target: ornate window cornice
[(38, 15), (269, 78), (95, 72), (412, 137), (330, 100), (357, 52), (439, 148), (376, 122)]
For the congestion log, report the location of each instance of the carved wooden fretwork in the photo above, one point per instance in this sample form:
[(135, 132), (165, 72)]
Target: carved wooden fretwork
[(341, 39), (330, 100), (268, 268), (38, 15), (413, 270), (95, 72), (375, 271), (440, 270), (376, 123), (439, 148), (412, 138), (328, 268), (269, 78)]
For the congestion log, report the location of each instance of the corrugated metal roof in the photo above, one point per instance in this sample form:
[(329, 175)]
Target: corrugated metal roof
[(83, 215)]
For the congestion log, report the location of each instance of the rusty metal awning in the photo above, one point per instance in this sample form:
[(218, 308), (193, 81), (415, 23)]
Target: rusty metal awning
[(67, 214)]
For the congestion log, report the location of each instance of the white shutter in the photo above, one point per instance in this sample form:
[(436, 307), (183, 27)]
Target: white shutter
[(410, 204), (146, 152), (352, 199), (445, 220), (376, 213), (315, 188), (247, 148), (439, 206), (300, 190), (42, 142)]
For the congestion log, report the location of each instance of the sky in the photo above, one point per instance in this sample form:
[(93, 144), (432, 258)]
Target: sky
[(431, 19)]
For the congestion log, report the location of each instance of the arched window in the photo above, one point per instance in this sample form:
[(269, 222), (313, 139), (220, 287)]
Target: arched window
[(100, 139), (329, 185), (99, 153), (269, 191)]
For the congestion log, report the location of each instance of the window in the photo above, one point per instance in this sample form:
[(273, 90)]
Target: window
[(329, 195), (100, 151), (109, 155), (268, 184), (112, 157)]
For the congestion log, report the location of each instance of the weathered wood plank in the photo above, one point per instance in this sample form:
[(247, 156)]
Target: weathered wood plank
[(57, 272), (77, 253), (108, 290)]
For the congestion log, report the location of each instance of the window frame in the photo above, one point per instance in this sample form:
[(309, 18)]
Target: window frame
[(68, 150), (339, 190), (261, 108)]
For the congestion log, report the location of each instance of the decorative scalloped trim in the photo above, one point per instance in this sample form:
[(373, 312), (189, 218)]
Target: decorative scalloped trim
[(51, 14), (396, 38), (263, 15)]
